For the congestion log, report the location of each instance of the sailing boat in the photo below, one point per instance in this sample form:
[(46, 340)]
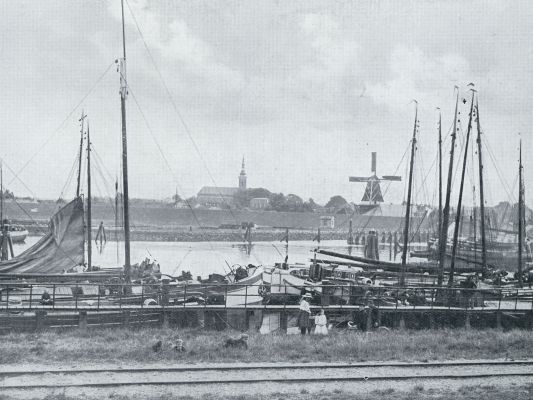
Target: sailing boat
[(63, 247)]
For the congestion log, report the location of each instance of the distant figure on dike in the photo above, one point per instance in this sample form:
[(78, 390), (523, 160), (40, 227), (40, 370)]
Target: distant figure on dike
[(303, 315)]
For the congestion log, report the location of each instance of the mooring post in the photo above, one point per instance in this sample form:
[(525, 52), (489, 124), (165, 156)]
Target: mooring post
[(82, 320), (39, 319)]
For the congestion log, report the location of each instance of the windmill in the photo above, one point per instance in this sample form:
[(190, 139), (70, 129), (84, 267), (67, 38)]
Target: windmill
[(373, 194)]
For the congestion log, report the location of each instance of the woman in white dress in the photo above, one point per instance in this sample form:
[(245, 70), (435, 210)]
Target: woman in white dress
[(321, 323)]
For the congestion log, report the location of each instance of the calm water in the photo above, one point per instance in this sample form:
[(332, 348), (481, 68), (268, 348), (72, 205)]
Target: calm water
[(203, 258)]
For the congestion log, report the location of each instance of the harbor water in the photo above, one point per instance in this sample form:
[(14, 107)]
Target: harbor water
[(204, 258)]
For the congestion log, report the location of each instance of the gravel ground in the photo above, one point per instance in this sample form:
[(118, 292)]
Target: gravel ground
[(227, 389)]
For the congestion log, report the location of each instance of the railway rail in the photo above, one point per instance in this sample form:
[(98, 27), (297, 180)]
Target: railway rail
[(206, 375)]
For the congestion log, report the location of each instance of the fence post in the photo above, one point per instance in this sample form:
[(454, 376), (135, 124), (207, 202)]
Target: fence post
[(98, 301), (120, 297), (246, 297), (31, 294), (82, 320), (54, 296), (76, 296), (126, 318), (142, 295), (226, 296), (467, 320), (7, 297), (39, 319)]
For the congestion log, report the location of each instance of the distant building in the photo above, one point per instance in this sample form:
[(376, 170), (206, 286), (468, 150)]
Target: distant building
[(212, 196), (259, 203), (327, 221)]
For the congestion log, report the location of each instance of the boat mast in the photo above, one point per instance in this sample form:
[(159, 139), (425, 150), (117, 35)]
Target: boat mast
[(89, 211), (520, 216), (408, 205), (440, 171), (481, 197), (461, 189), (443, 238), (123, 94), (82, 119), (2, 195)]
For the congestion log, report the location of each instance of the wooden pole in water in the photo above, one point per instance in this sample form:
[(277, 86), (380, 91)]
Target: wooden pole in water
[(125, 194), (461, 189), (443, 237), (408, 205), (481, 197)]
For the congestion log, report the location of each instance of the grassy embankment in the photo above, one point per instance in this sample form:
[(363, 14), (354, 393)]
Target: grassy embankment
[(488, 392), (135, 346)]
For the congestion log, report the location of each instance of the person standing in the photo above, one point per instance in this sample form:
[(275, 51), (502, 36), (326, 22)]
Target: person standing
[(321, 322), (304, 314)]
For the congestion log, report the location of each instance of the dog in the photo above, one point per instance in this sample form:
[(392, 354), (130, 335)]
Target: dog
[(157, 347), (178, 347), (240, 342)]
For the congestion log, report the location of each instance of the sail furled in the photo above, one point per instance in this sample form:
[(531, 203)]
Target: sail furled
[(60, 249)]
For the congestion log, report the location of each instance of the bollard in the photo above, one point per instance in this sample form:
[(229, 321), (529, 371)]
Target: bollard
[(39, 319), (82, 320), (126, 318)]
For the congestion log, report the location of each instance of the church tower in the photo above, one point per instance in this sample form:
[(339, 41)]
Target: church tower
[(242, 177)]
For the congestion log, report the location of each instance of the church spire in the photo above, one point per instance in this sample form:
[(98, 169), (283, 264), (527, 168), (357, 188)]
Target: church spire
[(242, 177)]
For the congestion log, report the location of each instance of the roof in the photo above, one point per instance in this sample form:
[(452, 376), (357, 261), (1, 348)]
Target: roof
[(217, 191)]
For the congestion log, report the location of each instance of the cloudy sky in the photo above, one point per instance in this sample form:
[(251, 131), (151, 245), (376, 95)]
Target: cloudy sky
[(305, 90)]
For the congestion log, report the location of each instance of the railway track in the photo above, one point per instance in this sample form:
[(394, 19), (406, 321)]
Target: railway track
[(197, 376)]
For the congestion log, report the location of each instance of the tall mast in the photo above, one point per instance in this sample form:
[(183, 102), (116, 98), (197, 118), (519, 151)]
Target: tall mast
[(89, 211), (123, 94), (82, 119), (443, 238), (461, 188), (481, 197), (520, 217), (440, 171), (408, 205), (2, 195)]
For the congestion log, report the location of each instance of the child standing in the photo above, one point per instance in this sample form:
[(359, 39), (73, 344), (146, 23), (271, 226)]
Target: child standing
[(321, 324)]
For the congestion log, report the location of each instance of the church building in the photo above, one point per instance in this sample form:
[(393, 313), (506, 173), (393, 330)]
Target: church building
[(212, 196)]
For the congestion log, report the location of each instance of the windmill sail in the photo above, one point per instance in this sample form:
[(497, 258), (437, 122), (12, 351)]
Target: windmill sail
[(59, 250)]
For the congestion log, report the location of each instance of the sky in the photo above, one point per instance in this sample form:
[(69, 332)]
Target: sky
[(304, 90)]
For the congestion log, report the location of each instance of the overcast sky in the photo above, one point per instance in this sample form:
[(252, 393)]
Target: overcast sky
[(304, 90)]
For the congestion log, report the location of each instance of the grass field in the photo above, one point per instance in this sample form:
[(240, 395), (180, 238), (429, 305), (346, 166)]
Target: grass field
[(135, 346)]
